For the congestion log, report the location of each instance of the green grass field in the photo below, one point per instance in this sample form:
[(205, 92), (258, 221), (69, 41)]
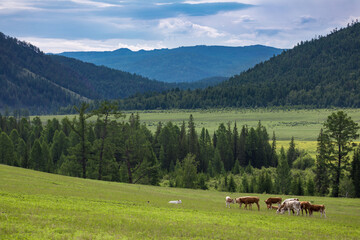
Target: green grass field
[(35, 205)]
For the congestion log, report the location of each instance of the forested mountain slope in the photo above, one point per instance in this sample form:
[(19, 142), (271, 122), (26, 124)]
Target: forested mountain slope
[(43, 83), (184, 64), (323, 72), (30, 79)]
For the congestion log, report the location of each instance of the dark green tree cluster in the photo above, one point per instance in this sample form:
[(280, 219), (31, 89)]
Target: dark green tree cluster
[(335, 143), (105, 149)]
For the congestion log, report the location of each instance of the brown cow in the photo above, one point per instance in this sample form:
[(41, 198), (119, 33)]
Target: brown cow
[(305, 206), (317, 208), (272, 200), (248, 200)]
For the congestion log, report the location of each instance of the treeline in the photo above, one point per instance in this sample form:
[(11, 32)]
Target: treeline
[(320, 73), (109, 148)]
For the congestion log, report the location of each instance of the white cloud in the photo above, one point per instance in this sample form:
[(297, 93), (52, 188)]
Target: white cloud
[(95, 3), (184, 27)]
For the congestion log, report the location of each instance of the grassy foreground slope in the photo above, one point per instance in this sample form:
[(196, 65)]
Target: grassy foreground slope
[(35, 205)]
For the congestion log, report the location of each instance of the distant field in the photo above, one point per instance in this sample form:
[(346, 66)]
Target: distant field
[(304, 125), (35, 205)]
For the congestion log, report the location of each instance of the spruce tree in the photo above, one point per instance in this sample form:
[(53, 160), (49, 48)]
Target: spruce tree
[(291, 153), (274, 156), (321, 179), (7, 151), (231, 185), (355, 172), (283, 179)]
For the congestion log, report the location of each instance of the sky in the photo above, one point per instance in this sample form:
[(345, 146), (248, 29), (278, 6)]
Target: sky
[(92, 25)]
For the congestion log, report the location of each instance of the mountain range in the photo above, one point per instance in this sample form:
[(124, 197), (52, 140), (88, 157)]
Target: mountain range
[(183, 64), (320, 73)]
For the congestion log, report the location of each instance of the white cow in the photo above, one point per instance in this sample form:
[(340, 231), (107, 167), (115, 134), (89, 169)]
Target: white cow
[(283, 203), (175, 202), (291, 205), (229, 200)]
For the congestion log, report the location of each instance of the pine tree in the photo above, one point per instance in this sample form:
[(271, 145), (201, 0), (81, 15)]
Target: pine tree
[(103, 113), (7, 155), (355, 172), (274, 156), (36, 160), (291, 153), (310, 187), (321, 171), (283, 180), (342, 130), (81, 152), (232, 185), (242, 147), (193, 144)]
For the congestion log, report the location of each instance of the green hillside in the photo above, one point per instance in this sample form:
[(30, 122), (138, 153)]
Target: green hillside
[(320, 73), (41, 83), (35, 205)]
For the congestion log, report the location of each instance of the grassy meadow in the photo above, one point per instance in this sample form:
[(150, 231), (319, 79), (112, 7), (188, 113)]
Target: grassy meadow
[(36, 205)]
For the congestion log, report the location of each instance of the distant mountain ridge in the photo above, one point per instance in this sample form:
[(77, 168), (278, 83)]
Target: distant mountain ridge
[(320, 73), (183, 64)]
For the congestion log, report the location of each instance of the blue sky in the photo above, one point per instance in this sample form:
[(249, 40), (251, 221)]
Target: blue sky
[(94, 25)]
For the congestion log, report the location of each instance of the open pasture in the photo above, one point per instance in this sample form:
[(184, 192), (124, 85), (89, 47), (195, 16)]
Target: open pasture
[(303, 125), (36, 205)]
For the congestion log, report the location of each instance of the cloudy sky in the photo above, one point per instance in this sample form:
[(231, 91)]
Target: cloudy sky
[(94, 25)]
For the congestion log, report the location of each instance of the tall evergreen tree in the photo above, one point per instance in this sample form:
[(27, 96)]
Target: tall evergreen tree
[(242, 147), (274, 156), (342, 130), (283, 179), (81, 151), (224, 147), (355, 172), (103, 113), (321, 171), (36, 160), (291, 153), (193, 144), (7, 150)]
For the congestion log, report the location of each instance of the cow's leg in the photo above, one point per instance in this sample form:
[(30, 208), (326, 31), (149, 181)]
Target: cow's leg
[(324, 214), (258, 206), (289, 211)]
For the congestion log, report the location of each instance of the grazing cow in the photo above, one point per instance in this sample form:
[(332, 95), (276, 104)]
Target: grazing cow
[(283, 203), (291, 205), (175, 202), (305, 206), (229, 200), (248, 200), (317, 208), (272, 200)]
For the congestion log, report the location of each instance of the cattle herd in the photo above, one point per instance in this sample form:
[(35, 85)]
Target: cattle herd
[(290, 204)]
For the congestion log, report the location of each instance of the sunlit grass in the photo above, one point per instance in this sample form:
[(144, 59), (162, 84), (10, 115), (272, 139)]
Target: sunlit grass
[(35, 205)]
